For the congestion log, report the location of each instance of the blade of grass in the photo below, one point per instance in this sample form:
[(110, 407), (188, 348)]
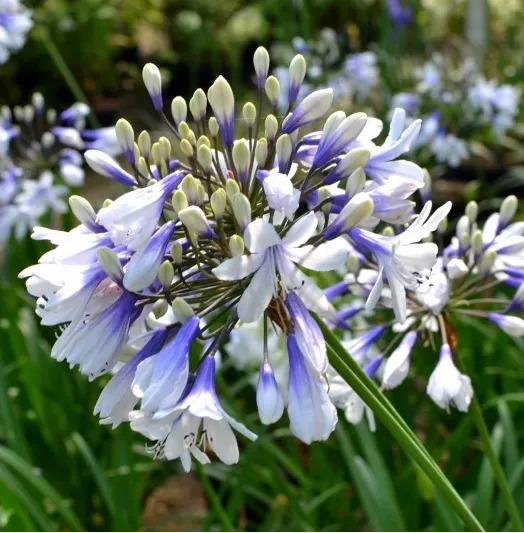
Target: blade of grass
[(25, 470)]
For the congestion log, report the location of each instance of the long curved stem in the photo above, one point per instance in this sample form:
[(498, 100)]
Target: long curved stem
[(502, 481), (366, 389)]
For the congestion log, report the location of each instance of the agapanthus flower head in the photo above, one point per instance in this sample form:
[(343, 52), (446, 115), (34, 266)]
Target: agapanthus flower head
[(15, 23), (41, 159), (202, 248)]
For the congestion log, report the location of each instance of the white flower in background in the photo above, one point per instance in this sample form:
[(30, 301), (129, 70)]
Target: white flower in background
[(15, 23)]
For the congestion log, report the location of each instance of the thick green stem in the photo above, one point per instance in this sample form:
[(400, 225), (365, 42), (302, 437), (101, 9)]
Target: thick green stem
[(62, 67), (511, 506), (366, 389)]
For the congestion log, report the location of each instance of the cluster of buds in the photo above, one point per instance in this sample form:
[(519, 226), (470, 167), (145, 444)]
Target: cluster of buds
[(226, 219), (37, 146)]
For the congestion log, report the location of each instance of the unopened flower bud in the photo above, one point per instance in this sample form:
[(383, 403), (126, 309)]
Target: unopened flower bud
[(218, 202), (48, 139), (198, 104), (165, 274), (356, 158), (261, 64), (179, 110), (110, 263), (201, 194), (270, 403), (487, 262), (357, 209), (152, 181), (284, 149), (323, 194), (222, 101), (203, 140), (512, 325), (232, 189), (125, 136), (165, 148), (107, 202), (462, 226), (38, 102), (356, 182), (182, 310), (236, 245), (241, 156), (51, 116), (160, 308), (271, 125), (177, 253), (272, 87), (464, 240), (183, 130), (443, 226), (508, 210), (83, 211), (195, 221), (213, 127), (205, 158), (190, 185), (472, 211), (353, 264), (155, 154), (186, 148), (242, 210), (249, 112), (142, 167), (144, 143), (297, 73), (29, 113), (179, 201), (456, 268), (477, 243), (191, 137), (314, 106), (388, 231), (153, 82), (261, 152)]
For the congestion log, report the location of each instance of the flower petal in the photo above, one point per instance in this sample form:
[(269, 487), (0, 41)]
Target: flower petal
[(301, 231), (238, 267), (260, 235)]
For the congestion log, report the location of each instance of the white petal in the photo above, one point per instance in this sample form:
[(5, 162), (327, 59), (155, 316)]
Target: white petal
[(259, 235), (222, 440), (302, 230), (238, 267), (376, 291), (258, 294), (326, 256)]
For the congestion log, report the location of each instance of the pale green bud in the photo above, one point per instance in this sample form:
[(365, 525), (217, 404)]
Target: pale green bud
[(177, 253), (487, 262), (477, 243), (179, 201), (323, 195), (183, 130), (354, 159), (179, 110), (508, 210), (472, 211), (29, 113), (198, 104), (203, 141), (213, 127), (125, 135), (236, 245), (462, 226), (155, 154), (51, 115), (144, 143), (443, 226), (182, 310), (272, 87), (271, 125), (388, 231), (190, 187), (110, 263), (297, 71), (160, 308), (136, 153), (142, 166), (82, 210), (241, 156), (242, 210), (356, 182), (464, 240), (205, 158), (353, 264), (232, 189), (107, 202), (165, 274), (191, 138), (165, 147), (186, 148), (284, 149), (218, 203), (153, 82), (249, 112), (194, 219), (261, 64), (152, 181), (261, 152), (48, 139)]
